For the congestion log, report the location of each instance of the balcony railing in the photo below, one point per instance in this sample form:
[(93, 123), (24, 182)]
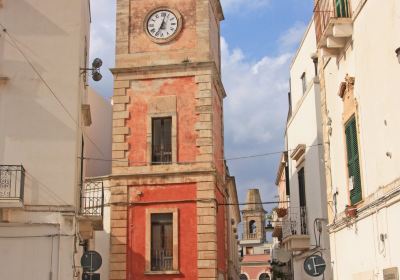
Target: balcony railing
[(162, 260), (325, 10), (251, 236), (12, 178), (92, 198), (295, 222)]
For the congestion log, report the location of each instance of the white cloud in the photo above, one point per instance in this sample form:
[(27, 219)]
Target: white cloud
[(235, 5), (256, 103), (293, 36)]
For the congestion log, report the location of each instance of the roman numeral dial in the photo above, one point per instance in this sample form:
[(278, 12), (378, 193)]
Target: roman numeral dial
[(163, 24)]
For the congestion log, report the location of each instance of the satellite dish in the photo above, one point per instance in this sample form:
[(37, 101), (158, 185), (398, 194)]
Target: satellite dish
[(282, 255), (97, 63)]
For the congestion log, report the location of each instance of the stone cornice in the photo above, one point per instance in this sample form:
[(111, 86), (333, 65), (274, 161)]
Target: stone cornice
[(218, 8), (170, 69), (162, 175)]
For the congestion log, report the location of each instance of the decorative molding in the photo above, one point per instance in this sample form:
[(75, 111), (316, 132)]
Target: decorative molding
[(347, 86), (298, 152)]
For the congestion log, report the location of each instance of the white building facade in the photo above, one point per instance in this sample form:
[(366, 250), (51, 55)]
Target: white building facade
[(45, 219), (303, 220), (359, 75)]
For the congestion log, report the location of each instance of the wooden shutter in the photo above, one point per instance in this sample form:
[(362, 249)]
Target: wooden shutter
[(342, 8), (353, 161)]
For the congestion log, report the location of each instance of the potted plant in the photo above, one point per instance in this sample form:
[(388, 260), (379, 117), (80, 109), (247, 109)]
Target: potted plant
[(350, 211), (281, 212)]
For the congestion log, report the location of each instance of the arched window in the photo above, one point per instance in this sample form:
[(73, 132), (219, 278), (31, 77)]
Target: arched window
[(252, 226), (264, 276), (243, 277)]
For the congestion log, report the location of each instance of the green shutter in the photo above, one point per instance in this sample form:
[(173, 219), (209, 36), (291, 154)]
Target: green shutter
[(342, 8), (353, 160)]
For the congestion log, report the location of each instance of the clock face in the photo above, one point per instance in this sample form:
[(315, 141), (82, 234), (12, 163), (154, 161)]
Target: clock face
[(163, 24)]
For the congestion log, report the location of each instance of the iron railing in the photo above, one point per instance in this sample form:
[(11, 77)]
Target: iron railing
[(295, 222), (162, 260), (12, 179), (325, 10), (92, 198)]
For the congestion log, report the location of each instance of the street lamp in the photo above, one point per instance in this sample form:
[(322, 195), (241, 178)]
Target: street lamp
[(398, 53), (96, 64)]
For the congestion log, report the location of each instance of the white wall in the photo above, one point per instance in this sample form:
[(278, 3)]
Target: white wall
[(101, 133), (373, 63), (357, 252), (36, 131), (305, 127)]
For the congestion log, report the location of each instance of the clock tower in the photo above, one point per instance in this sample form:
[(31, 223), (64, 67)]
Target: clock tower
[(169, 181)]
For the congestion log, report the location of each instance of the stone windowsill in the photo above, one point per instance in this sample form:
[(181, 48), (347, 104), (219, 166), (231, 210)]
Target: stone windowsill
[(167, 272)]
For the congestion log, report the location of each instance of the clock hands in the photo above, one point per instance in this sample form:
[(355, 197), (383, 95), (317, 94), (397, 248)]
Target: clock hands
[(162, 24)]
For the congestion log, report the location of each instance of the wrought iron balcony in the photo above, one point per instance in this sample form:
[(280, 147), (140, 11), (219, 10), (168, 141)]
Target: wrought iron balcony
[(12, 179), (327, 14), (295, 229), (92, 198)]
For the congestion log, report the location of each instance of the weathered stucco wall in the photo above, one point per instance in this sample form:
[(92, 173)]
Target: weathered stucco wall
[(187, 227)]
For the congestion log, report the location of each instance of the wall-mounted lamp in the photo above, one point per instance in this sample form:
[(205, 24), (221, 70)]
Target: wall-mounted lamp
[(314, 57), (398, 53), (96, 64)]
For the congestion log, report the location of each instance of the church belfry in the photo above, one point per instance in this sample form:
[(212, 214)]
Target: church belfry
[(253, 217), (168, 218)]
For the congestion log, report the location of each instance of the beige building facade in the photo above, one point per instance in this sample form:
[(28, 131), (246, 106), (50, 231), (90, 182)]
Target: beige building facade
[(45, 219)]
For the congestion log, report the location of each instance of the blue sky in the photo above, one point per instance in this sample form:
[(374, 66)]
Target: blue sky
[(259, 38)]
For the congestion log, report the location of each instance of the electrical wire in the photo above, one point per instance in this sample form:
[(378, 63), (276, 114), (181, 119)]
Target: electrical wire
[(190, 162), (14, 44)]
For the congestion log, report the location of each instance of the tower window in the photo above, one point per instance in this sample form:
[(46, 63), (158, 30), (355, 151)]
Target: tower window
[(161, 140), (161, 242), (252, 227)]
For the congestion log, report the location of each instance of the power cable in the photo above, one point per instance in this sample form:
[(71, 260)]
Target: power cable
[(14, 44), (189, 162)]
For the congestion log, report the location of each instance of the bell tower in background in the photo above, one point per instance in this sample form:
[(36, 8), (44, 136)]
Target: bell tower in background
[(168, 218)]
